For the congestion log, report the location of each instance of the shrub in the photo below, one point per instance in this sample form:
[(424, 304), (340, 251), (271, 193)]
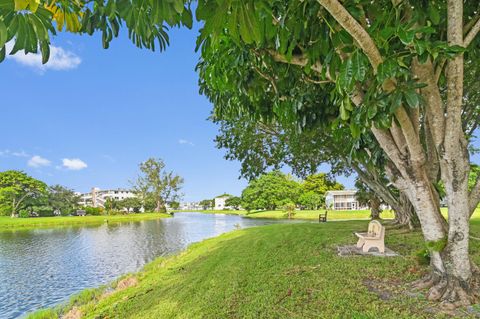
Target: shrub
[(94, 211)]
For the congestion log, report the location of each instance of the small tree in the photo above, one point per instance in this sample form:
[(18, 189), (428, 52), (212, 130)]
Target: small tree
[(63, 199), (130, 204), (234, 202), (16, 188), (111, 204), (157, 183), (289, 208), (207, 203), (311, 200), (174, 205)]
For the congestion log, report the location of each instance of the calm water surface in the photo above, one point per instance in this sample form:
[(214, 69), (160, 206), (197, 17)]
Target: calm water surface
[(43, 267)]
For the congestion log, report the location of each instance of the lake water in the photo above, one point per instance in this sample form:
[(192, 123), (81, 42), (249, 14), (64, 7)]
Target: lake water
[(42, 267)]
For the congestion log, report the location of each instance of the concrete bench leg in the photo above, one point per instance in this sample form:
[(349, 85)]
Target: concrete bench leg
[(379, 245), (360, 242)]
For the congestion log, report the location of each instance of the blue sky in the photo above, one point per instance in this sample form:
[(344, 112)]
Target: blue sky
[(91, 115)]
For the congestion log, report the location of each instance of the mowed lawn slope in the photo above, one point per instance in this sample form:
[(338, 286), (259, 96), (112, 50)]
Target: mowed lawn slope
[(275, 271)]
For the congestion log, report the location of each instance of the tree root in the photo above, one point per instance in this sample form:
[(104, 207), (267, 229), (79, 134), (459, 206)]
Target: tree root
[(451, 292)]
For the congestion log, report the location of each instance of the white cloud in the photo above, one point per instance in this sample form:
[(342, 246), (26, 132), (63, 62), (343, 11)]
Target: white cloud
[(8, 152), (74, 164), (20, 154), (38, 161), (60, 59), (185, 142)]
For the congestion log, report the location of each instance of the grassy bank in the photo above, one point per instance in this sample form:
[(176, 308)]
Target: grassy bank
[(13, 223), (313, 214), (275, 271), (299, 214), (212, 211)]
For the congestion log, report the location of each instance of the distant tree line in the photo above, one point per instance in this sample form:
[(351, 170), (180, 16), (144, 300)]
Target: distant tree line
[(22, 195), (276, 190)]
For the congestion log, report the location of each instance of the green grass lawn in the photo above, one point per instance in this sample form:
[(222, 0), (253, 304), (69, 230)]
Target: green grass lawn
[(313, 214), (275, 271), (12, 223), (212, 211)]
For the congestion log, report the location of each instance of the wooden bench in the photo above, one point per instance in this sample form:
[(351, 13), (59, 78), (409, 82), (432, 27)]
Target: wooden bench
[(322, 218), (375, 237)]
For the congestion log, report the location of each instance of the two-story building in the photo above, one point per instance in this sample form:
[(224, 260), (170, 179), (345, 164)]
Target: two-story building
[(342, 200), (220, 202)]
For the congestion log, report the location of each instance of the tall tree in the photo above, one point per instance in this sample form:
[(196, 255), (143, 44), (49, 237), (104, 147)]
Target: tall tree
[(63, 199), (260, 146), (320, 183), (161, 185), (16, 188), (390, 69)]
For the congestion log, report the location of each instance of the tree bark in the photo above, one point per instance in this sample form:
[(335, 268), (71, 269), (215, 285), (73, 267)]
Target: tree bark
[(375, 208)]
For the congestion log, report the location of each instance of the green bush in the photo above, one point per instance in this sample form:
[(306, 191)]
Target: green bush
[(94, 211), (117, 212), (23, 214)]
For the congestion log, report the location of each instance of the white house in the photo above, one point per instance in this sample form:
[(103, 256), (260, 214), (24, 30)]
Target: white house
[(342, 200), (97, 197), (220, 202)]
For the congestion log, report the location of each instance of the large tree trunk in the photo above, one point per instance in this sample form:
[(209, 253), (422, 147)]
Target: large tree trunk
[(405, 213), (375, 208), (160, 207)]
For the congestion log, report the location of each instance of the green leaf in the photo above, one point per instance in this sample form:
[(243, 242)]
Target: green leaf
[(45, 49), (396, 101), (355, 129), (344, 115), (3, 33), (2, 54), (178, 6), (406, 36), (359, 66), (346, 75), (434, 14), (412, 98), (372, 111)]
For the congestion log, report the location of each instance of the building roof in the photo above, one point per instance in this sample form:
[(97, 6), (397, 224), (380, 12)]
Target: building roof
[(343, 192), (224, 195)]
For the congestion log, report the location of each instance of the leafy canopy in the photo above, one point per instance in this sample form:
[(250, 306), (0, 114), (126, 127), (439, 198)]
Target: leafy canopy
[(16, 188), (270, 191), (30, 24)]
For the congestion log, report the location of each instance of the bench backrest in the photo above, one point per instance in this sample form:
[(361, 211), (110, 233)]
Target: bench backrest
[(375, 229)]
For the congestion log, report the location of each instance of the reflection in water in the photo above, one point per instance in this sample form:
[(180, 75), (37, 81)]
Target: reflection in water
[(42, 267)]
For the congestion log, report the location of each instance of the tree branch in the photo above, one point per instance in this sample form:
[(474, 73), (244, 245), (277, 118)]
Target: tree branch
[(474, 196), (355, 29), (298, 59), (472, 33)]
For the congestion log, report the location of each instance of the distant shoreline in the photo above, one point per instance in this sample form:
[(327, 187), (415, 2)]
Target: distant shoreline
[(8, 223)]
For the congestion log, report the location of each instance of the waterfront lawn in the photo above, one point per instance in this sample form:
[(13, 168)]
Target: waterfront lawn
[(212, 211), (275, 271), (313, 214), (32, 222)]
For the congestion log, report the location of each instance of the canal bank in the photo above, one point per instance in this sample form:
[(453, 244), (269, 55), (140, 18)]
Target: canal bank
[(43, 267), (274, 271)]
